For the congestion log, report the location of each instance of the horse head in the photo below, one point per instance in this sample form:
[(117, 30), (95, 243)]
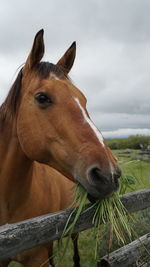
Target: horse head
[(54, 127)]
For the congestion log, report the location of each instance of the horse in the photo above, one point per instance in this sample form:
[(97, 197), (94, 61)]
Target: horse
[(47, 143)]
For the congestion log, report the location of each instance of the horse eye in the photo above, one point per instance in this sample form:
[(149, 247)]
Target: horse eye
[(43, 98)]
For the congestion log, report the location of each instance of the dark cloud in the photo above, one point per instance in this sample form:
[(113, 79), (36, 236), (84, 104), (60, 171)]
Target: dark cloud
[(123, 21)]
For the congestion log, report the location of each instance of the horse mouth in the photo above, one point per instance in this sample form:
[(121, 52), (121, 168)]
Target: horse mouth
[(103, 194)]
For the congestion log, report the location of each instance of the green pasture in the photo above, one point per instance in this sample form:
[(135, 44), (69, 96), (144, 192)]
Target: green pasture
[(135, 164)]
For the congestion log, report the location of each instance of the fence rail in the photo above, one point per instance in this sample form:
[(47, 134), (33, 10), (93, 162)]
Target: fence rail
[(18, 237), (127, 255)]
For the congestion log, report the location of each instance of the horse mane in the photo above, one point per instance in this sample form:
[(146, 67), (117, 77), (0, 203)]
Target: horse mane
[(43, 69)]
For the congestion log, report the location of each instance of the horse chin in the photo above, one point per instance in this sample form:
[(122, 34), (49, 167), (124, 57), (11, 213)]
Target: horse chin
[(92, 199)]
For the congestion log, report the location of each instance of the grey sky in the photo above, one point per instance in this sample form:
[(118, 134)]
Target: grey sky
[(113, 53)]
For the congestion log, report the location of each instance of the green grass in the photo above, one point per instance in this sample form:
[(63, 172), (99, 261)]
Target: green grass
[(135, 165)]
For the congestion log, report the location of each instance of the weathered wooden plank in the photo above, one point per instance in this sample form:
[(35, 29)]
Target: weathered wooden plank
[(137, 200), (127, 255), (15, 238)]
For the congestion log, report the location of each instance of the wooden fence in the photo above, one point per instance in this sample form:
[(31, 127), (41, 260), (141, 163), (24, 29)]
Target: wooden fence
[(18, 237)]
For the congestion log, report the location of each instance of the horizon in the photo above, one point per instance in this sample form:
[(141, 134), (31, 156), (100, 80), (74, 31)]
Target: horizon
[(125, 133)]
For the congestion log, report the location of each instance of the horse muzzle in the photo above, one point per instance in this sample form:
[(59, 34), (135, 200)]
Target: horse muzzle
[(98, 184)]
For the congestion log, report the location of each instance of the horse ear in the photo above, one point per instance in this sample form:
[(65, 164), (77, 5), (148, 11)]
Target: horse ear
[(37, 51), (67, 60)]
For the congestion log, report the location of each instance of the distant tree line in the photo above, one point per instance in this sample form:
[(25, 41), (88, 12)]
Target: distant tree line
[(132, 142)]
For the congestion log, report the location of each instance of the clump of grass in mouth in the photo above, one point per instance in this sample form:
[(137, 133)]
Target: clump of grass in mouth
[(109, 210)]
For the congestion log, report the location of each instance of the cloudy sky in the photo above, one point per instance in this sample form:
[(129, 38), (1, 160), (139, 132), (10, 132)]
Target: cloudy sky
[(112, 66)]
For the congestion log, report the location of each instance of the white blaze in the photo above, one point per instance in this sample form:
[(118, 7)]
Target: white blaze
[(91, 124), (52, 75)]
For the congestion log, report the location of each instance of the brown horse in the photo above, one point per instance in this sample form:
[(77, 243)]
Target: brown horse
[(47, 140)]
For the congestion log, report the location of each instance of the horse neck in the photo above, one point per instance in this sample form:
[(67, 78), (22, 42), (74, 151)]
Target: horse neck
[(15, 169)]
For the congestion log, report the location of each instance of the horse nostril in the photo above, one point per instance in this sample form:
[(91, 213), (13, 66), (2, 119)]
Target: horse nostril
[(95, 175)]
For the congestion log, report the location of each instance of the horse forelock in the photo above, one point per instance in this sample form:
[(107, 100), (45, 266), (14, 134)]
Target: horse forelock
[(44, 70)]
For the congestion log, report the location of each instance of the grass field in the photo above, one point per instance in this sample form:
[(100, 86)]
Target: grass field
[(133, 164)]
